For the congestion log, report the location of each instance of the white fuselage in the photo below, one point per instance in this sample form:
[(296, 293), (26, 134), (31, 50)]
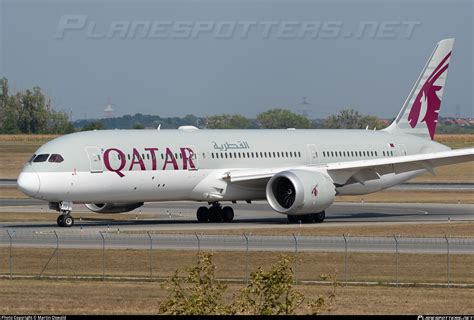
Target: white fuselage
[(150, 165)]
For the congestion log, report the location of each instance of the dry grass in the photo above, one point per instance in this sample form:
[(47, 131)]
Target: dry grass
[(12, 193), (27, 137), (136, 297), (378, 267), (462, 172), (456, 229)]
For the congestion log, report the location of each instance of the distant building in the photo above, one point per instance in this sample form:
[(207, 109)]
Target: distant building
[(109, 110)]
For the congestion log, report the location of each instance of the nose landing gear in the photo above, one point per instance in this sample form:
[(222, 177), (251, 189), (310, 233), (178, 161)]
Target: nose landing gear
[(216, 213), (65, 219)]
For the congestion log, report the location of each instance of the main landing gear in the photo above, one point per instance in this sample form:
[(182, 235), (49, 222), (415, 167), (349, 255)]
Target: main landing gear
[(308, 218), (215, 213)]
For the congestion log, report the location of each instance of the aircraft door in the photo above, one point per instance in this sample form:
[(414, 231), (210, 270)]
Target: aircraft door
[(95, 159), (313, 154)]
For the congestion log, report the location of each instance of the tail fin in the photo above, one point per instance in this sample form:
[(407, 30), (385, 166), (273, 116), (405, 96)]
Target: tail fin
[(419, 114)]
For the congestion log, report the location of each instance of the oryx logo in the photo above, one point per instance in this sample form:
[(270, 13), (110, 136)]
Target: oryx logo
[(314, 192), (427, 102)]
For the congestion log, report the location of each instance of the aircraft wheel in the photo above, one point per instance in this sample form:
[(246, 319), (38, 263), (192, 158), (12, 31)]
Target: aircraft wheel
[(319, 217), (202, 214), (60, 221), (227, 214), (306, 218), (215, 214), (68, 221), (292, 219)]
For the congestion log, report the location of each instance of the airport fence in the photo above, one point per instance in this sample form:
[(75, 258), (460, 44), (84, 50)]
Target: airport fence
[(390, 260)]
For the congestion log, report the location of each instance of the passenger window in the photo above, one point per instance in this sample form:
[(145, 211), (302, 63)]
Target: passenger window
[(41, 158), (56, 158)]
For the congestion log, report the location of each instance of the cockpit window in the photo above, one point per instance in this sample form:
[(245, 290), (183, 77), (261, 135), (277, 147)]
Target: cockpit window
[(41, 158), (32, 158), (56, 158)]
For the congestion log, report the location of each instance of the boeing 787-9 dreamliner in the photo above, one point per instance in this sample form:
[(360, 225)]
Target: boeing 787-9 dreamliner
[(299, 172)]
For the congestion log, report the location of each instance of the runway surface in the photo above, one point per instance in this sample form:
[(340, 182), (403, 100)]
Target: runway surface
[(165, 217), (182, 215)]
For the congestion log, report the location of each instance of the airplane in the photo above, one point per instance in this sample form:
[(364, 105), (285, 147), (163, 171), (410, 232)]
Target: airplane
[(299, 172)]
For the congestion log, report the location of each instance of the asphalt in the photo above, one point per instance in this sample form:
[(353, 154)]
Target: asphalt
[(164, 216), (171, 216)]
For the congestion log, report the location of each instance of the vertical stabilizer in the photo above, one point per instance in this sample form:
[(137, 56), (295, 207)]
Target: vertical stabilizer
[(419, 114)]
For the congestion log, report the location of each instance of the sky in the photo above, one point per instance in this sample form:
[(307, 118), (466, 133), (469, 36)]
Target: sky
[(206, 57)]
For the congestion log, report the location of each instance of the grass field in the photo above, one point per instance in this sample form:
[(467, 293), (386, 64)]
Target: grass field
[(15, 150), (139, 296), (134, 297), (376, 267)]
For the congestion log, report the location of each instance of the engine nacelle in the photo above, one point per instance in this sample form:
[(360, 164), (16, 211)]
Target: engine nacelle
[(113, 207), (300, 191)]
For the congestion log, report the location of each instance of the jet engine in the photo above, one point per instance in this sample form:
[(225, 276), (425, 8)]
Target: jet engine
[(297, 192), (113, 207)]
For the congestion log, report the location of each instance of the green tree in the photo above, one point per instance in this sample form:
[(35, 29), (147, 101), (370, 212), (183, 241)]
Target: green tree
[(269, 292), (96, 125), (227, 121), (11, 114), (59, 123), (3, 100), (372, 122), (281, 119), (137, 125), (352, 119), (198, 293), (346, 119)]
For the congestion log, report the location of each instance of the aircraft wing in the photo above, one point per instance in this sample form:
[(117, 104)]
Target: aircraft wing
[(361, 170)]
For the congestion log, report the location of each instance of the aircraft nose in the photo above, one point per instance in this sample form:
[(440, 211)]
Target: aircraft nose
[(28, 182)]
